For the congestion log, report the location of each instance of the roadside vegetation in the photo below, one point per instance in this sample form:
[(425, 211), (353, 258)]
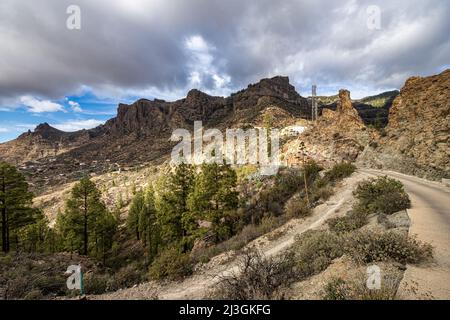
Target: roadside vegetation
[(315, 250), (188, 216)]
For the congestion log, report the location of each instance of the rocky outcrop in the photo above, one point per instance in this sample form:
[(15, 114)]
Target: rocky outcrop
[(416, 140), (337, 135), (347, 115), (373, 110)]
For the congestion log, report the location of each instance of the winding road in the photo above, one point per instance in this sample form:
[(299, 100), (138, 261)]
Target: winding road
[(430, 222)]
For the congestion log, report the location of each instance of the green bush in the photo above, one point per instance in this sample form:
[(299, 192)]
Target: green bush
[(382, 195), (315, 250), (356, 219), (367, 247), (312, 169), (340, 171), (171, 264)]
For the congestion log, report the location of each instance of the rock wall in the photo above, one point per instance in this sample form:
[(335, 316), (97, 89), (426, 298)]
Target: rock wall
[(416, 140)]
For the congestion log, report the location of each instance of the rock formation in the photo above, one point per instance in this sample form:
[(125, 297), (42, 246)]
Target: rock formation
[(336, 136), (416, 140)]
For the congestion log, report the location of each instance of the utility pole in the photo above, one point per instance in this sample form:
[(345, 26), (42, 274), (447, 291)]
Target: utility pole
[(314, 111)]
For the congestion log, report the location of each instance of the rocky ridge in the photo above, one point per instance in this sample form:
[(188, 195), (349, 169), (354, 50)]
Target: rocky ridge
[(140, 132)]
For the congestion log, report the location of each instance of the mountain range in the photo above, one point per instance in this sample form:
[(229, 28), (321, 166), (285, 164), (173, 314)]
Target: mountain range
[(140, 132)]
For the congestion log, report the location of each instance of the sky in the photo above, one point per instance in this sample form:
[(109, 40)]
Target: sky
[(70, 67)]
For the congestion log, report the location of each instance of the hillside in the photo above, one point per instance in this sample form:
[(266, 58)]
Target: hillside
[(416, 140)]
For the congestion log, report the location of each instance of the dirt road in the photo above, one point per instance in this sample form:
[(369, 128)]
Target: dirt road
[(430, 221)]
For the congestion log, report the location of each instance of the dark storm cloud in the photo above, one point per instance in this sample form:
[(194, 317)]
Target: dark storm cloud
[(164, 47)]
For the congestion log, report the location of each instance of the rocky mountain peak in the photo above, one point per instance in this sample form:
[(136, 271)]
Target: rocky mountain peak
[(43, 127), (45, 131), (278, 86), (196, 95)]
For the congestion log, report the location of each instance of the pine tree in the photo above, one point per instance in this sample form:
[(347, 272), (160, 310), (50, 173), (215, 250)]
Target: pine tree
[(173, 214), (15, 204), (215, 199), (104, 229), (137, 206), (34, 235), (142, 221), (86, 222), (148, 224)]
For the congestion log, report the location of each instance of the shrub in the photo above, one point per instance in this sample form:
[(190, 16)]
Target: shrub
[(34, 294), (323, 193), (95, 284), (297, 207), (367, 247), (124, 278), (315, 250), (171, 264), (340, 171), (382, 195), (312, 170), (356, 219), (339, 289), (258, 278), (238, 241)]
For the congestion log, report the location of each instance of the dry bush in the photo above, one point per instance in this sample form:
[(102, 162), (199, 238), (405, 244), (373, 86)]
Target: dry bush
[(297, 207), (339, 289), (258, 278)]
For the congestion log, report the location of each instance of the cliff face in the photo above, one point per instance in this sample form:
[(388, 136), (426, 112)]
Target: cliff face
[(416, 140)]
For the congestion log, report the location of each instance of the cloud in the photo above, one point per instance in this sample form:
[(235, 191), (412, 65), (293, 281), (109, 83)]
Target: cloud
[(75, 106), (165, 47), (3, 130), (75, 125), (203, 67), (39, 106)]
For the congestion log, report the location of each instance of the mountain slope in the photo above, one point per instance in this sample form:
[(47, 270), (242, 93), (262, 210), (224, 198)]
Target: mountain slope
[(417, 137)]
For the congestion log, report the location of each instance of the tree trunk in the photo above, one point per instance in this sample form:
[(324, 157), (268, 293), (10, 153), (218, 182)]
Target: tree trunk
[(7, 233), (85, 250)]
